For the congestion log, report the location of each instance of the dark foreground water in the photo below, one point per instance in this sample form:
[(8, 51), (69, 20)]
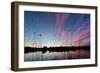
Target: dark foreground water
[(40, 56)]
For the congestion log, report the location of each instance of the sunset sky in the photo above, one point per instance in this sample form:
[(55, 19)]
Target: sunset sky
[(56, 29)]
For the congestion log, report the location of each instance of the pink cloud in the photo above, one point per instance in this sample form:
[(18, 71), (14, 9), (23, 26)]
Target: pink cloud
[(82, 36), (60, 18)]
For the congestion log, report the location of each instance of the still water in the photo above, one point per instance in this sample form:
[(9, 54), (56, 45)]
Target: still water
[(40, 56)]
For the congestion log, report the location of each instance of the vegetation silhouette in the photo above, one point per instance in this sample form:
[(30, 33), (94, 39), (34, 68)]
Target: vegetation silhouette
[(55, 49)]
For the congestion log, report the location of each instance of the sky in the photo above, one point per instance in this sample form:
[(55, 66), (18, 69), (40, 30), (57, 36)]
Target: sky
[(54, 29)]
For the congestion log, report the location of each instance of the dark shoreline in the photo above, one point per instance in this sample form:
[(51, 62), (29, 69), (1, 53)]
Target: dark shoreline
[(55, 49)]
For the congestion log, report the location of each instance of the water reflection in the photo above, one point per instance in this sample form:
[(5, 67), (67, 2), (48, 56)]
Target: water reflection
[(40, 56)]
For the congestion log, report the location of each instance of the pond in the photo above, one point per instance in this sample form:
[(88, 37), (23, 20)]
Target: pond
[(48, 55)]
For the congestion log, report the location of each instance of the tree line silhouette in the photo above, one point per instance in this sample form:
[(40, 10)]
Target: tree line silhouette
[(55, 49)]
